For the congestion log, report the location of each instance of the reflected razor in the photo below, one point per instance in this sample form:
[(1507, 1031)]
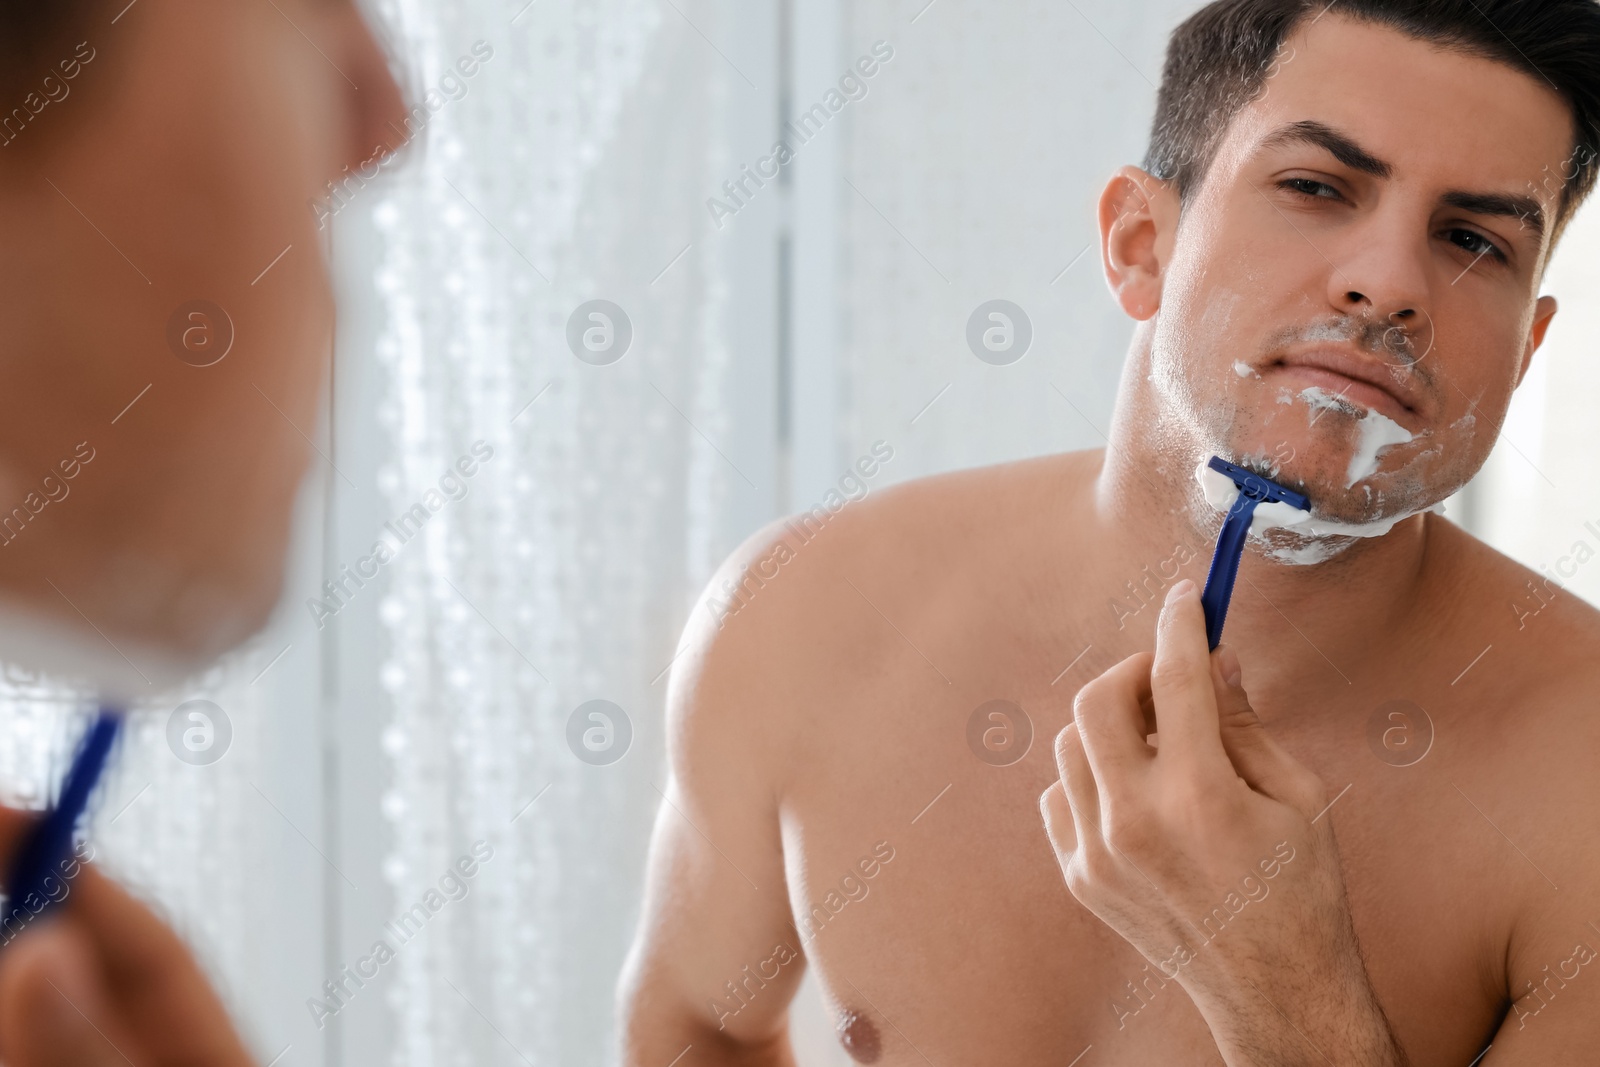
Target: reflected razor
[(1254, 490)]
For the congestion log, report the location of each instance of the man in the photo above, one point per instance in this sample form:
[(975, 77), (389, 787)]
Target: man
[(1333, 257), (157, 384)]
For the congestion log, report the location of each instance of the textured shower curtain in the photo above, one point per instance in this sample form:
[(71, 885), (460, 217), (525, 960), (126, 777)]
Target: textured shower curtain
[(569, 170)]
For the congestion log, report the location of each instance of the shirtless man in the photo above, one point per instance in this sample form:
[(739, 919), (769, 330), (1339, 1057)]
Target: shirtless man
[(1337, 282)]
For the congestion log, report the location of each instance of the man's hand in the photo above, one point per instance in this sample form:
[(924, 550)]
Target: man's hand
[(1209, 853), (99, 981)]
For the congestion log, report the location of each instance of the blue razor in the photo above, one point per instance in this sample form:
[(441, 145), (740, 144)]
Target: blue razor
[(1253, 490), (47, 846)]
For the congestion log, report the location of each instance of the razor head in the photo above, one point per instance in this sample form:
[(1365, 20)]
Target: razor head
[(1262, 490)]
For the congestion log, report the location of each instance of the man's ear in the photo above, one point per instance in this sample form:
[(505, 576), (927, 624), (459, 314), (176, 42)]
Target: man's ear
[(1543, 313), (1138, 218)]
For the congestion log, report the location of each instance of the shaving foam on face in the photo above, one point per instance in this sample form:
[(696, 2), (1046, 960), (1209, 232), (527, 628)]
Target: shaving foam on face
[(1318, 399), (1376, 432), (1220, 493)]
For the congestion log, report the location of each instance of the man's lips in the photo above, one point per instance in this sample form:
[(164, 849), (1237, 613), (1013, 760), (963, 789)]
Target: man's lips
[(1362, 380)]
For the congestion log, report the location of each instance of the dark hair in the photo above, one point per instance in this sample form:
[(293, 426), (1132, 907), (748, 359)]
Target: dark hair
[(1220, 58)]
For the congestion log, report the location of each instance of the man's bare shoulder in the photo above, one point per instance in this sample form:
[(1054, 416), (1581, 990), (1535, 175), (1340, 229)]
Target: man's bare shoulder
[(801, 604), (1529, 739), (1529, 663), (911, 536), (1549, 635)]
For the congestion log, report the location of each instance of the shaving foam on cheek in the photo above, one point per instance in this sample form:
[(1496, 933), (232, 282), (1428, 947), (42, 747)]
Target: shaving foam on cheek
[(1220, 493)]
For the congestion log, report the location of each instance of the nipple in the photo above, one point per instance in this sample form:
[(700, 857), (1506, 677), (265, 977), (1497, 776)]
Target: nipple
[(858, 1036)]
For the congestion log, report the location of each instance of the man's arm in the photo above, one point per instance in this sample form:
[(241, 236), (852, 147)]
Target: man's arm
[(1553, 957), (717, 959), (1554, 1016)]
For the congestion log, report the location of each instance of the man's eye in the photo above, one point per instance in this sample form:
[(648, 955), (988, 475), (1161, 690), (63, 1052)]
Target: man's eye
[(1310, 187), (1475, 243)]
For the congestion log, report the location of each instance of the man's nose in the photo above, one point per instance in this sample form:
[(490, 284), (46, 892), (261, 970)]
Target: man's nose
[(1380, 272)]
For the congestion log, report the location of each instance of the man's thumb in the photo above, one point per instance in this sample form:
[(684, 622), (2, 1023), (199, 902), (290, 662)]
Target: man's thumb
[(53, 1010)]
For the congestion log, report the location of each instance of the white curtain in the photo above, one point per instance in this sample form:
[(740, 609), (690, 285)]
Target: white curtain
[(570, 172)]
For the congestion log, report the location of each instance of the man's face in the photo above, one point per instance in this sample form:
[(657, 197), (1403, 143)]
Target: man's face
[(1349, 299), (179, 166)]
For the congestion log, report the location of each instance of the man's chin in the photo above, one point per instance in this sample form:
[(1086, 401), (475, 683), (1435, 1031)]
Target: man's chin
[(127, 648), (112, 666)]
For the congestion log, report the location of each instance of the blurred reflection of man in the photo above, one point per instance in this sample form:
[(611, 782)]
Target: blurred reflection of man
[(156, 155)]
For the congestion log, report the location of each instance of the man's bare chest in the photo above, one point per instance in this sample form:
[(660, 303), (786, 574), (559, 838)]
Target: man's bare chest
[(964, 945)]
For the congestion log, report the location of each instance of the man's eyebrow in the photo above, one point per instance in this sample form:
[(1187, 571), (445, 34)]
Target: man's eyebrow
[(1347, 151), (1504, 205), (1338, 145)]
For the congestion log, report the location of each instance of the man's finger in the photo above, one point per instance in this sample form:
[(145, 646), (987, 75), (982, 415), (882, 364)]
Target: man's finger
[(53, 1012), (151, 977), (1110, 715), (1058, 825), (1265, 765), (1180, 681), (1077, 781), (13, 825)]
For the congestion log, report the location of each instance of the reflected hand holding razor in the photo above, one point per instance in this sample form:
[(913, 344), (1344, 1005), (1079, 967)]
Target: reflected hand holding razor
[(48, 844)]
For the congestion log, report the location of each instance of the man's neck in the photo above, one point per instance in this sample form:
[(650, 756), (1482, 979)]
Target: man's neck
[(1289, 622)]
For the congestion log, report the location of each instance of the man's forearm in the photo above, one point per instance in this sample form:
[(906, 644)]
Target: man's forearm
[(1327, 1016), (1312, 1032)]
